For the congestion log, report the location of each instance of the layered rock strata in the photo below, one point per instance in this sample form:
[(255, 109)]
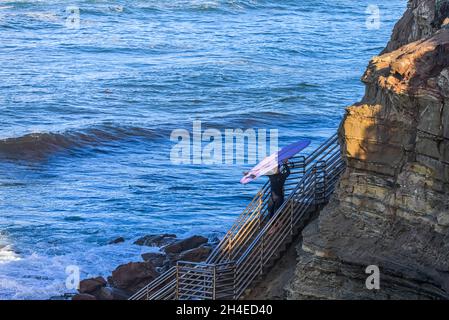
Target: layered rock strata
[(391, 208)]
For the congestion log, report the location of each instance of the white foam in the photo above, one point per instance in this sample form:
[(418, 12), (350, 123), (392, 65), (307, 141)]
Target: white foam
[(7, 254), (43, 276)]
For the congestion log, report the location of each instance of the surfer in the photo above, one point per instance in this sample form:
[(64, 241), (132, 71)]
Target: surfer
[(277, 181)]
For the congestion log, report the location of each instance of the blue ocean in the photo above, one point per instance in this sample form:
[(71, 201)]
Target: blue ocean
[(90, 92)]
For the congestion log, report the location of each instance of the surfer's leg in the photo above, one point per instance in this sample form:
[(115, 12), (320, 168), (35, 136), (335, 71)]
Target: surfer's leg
[(278, 203), (271, 208)]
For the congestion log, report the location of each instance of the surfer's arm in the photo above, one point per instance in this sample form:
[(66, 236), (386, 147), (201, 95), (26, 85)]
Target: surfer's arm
[(286, 170)]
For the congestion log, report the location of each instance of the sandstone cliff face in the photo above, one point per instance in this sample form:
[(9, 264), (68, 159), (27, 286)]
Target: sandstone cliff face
[(391, 208)]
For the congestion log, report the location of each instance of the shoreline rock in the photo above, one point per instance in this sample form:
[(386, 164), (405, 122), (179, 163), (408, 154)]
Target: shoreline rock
[(117, 240), (156, 240), (132, 276), (91, 285), (128, 278), (185, 244), (195, 255), (158, 259)]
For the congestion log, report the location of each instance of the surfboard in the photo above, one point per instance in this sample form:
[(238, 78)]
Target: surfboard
[(269, 164)]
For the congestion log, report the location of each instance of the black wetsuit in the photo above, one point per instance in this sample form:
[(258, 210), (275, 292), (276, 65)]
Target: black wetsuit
[(277, 190)]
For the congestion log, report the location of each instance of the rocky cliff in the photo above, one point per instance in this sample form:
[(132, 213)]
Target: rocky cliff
[(391, 208)]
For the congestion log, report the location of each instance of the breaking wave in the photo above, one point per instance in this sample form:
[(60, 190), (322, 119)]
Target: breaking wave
[(40, 145)]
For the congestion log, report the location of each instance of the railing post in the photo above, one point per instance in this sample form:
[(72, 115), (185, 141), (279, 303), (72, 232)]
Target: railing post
[(325, 180), (214, 282), (177, 282), (148, 293), (230, 247), (320, 180), (291, 215), (234, 293)]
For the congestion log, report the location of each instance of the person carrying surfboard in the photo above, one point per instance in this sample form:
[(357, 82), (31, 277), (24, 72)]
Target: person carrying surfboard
[(277, 181), (270, 165), (277, 169)]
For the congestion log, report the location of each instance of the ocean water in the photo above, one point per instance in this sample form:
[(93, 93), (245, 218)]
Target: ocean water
[(86, 113)]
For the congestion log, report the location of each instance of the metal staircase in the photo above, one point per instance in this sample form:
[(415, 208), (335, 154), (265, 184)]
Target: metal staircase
[(254, 243)]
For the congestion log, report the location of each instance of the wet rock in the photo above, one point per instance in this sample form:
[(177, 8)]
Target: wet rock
[(83, 296), (128, 278), (156, 240), (104, 293), (133, 276), (117, 240), (119, 294), (186, 244), (196, 255), (215, 240), (91, 285), (157, 259)]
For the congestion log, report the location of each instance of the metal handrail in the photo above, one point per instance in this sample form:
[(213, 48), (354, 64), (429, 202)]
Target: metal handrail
[(259, 253), (253, 240), (156, 283), (257, 207)]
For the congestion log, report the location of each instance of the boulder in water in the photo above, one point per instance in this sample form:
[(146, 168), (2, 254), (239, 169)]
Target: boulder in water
[(104, 293), (117, 240), (91, 285), (156, 240), (157, 259), (185, 244), (195, 255), (133, 276)]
